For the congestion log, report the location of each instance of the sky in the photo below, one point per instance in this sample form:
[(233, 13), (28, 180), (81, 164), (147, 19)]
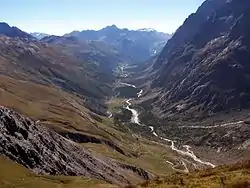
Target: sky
[(63, 16)]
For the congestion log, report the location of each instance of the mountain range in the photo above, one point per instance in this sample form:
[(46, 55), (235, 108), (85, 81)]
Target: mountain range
[(53, 94), (139, 45), (136, 45), (136, 108)]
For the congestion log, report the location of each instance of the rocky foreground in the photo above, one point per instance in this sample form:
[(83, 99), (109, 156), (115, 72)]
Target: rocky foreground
[(46, 152)]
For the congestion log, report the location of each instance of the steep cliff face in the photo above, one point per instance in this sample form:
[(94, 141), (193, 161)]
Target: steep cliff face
[(207, 69), (189, 29), (47, 152)]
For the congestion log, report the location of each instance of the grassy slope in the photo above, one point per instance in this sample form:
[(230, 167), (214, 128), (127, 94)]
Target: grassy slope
[(65, 112), (14, 175), (236, 176), (38, 63), (148, 155), (50, 105)]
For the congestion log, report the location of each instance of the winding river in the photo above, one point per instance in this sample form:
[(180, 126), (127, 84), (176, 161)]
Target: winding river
[(110, 115), (135, 115), (187, 152)]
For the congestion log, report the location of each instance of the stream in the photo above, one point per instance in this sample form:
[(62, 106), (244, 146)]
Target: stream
[(135, 115), (187, 152)]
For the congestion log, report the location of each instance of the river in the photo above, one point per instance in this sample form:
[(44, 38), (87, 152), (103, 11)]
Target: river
[(187, 152)]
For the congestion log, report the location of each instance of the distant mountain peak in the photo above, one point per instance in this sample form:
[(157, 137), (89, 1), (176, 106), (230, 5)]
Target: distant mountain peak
[(140, 44), (7, 30), (39, 35), (111, 27), (4, 24), (147, 29)]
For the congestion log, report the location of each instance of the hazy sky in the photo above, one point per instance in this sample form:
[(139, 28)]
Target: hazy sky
[(63, 16)]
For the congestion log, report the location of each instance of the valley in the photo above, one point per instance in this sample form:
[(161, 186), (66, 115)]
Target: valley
[(188, 152), (177, 135), (186, 160), (119, 107)]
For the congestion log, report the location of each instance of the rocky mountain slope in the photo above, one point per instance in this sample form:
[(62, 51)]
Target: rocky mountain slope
[(46, 152), (64, 86), (72, 65), (99, 55), (56, 83), (9, 31), (205, 70), (42, 63), (139, 45), (197, 90)]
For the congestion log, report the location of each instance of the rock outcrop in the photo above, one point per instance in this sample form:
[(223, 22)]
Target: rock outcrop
[(46, 152)]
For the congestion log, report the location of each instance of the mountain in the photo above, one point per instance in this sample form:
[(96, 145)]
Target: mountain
[(197, 91), (43, 63), (190, 28), (6, 30), (103, 56), (39, 35), (204, 68), (54, 97), (65, 114), (139, 45), (26, 142)]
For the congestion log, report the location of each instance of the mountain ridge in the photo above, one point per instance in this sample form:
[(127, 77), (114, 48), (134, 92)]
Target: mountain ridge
[(189, 68), (92, 114), (197, 90), (9, 31), (25, 141), (65, 84), (139, 45)]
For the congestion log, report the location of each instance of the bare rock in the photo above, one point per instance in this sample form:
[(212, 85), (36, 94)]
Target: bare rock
[(46, 152)]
